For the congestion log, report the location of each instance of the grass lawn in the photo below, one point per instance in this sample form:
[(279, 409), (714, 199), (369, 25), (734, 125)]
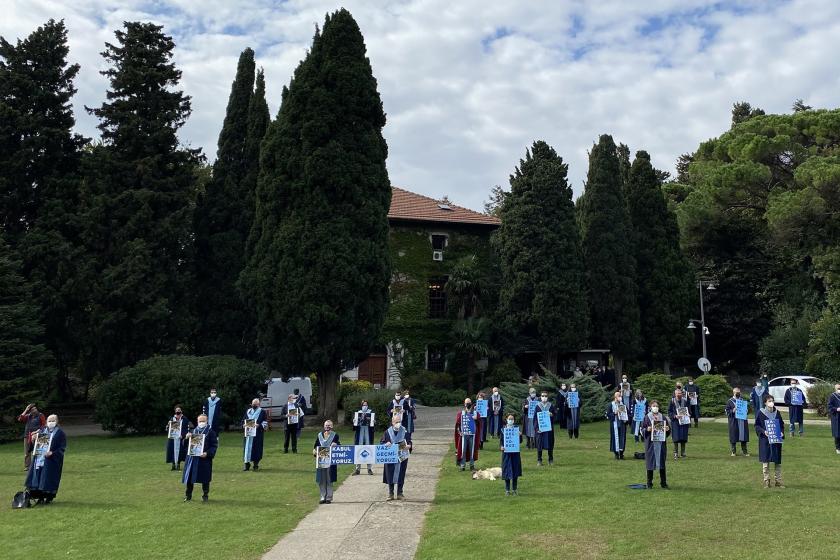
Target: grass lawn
[(118, 499), (582, 508)]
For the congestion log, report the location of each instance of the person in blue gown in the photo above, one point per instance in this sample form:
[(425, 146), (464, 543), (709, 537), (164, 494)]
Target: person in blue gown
[(656, 448), (796, 403), (481, 421), (396, 407), (769, 452), (291, 415), (300, 401), (692, 394), (618, 425), (739, 430), (495, 414), (393, 474), (176, 449), (410, 412), (199, 468), (636, 425), (560, 405), (834, 414), (326, 477), (573, 418), (44, 476), (364, 420), (679, 432), (511, 462), (757, 396), (545, 440), (253, 445), (213, 410), (528, 421)]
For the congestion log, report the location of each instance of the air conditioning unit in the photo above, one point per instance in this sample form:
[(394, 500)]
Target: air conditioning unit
[(437, 255)]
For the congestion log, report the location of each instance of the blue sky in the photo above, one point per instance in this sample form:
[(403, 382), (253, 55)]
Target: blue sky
[(469, 85)]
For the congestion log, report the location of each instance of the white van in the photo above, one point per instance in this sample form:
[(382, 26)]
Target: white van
[(278, 391)]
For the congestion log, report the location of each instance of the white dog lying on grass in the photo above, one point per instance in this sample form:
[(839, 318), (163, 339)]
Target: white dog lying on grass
[(488, 474)]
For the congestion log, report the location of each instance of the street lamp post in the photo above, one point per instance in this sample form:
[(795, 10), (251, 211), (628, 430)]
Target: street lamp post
[(702, 321)]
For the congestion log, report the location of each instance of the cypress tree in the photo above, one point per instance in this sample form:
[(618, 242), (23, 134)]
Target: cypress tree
[(222, 222), (543, 297), (665, 276), (138, 225), (318, 272), (608, 256)]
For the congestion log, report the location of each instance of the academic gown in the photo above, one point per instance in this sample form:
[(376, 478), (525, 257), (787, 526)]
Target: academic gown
[(47, 478), (362, 424), (627, 399), (637, 425), (573, 417), (396, 407), (757, 398), (257, 441), (214, 420), (495, 421), (333, 468), (170, 443), (739, 430), (833, 405), (458, 452), (795, 412), (545, 440), (651, 451), (618, 429), (512, 463), (768, 452), (693, 409), (301, 403), (679, 433), (200, 469), (482, 424), (410, 414), (394, 473), (562, 409), (530, 431)]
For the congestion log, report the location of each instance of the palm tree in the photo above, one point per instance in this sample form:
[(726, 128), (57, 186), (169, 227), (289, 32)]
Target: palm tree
[(464, 286), (472, 338)]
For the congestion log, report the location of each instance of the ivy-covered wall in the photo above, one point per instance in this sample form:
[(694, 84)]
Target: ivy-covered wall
[(407, 322)]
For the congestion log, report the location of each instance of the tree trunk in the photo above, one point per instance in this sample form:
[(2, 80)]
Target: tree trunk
[(619, 368), (470, 375), (666, 367), (550, 358), (328, 395)]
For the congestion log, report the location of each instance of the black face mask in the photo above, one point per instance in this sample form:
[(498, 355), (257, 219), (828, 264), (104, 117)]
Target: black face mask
[(468, 406), (177, 413), (254, 406)]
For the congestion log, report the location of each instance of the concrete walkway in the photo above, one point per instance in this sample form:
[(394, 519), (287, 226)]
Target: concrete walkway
[(359, 522)]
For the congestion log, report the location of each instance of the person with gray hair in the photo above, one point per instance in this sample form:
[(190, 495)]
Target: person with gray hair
[(45, 470), (325, 476)]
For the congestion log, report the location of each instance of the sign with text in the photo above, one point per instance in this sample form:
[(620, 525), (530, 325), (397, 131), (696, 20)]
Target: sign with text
[(796, 397), (543, 421), (573, 399), (741, 409), (481, 408), (638, 412), (511, 439), (532, 406), (773, 430), (467, 424)]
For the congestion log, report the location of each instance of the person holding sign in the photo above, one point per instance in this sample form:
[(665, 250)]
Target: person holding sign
[(770, 429), (176, 441), (325, 474), (410, 415), (397, 406), (736, 414), (626, 393), (213, 409), (495, 418), (617, 415), (199, 466), (655, 429), (33, 421), (511, 461), (393, 474), (692, 392), (44, 475), (834, 414), (795, 400), (543, 424), (680, 421), (291, 415), (254, 422), (757, 396), (573, 418), (363, 423), (465, 432), (481, 410), (528, 408), (639, 409), (560, 405)]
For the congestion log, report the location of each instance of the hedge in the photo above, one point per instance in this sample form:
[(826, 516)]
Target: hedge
[(351, 389), (440, 397), (714, 390), (818, 397), (140, 399)]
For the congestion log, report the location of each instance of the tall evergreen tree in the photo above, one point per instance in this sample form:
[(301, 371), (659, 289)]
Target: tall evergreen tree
[(141, 187), (665, 278), (543, 297), (222, 223), (608, 256), (319, 271)]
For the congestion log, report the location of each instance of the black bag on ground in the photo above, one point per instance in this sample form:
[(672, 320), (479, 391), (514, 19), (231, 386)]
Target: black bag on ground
[(639, 455), (21, 500)]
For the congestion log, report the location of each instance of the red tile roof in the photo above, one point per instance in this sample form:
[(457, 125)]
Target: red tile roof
[(409, 206)]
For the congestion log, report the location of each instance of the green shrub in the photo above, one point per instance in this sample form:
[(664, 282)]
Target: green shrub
[(440, 397), (351, 389), (422, 379), (505, 371), (594, 397), (656, 386), (715, 392), (141, 398), (818, 397), (378, 401)]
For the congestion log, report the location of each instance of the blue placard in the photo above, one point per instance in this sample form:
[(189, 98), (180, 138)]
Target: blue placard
[(342, 455), (481, 407), (796, 398), (741, 409), (573, 399), (532, 406), (773, 430), (467, 424), (638, 412), (387, 454), (543, 421), (511, 436)]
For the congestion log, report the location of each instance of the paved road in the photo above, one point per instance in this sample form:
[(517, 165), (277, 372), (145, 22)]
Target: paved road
[(360, 523)]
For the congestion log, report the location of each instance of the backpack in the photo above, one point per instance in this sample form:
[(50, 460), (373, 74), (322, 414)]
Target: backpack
[(21, 500)]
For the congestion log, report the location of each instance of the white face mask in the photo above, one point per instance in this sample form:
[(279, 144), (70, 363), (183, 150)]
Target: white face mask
[(654, 409), (770, 405), (510, 422), (563, 388), (574, 388), (544, 399), (624, 379), (213, 395), (495, 392), (396, 397), (364, 408), (51, 424), (202, 424), (533, 394), (837, 391)]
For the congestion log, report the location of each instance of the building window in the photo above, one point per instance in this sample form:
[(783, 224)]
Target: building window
[(437, 298), (435, 358), (439, 241)]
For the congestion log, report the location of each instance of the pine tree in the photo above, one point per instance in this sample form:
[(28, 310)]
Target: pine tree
[(222, 222), (664, 275), (138, 222), (543, 297), (608, 256), (318, 272)]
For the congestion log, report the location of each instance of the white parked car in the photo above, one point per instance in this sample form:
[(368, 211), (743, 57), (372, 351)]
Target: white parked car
[(778, 386)]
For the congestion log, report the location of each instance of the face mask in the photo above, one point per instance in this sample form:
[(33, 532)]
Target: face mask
[(837, 391), (654, 409), (177, 413), (495, 392), (327, 428), (624, 379), (51, 425), (468, 406), (255, 406), (396, 397), (202, 424), (574, 389), (213, 395), (544, 399), (770, 405), (510, 422), (737, 395), (364, 408), (533, 394), (563, 387)]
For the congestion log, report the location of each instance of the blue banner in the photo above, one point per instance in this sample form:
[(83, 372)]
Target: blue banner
[(342, 455), (481, 407), (773, 430), (638, 412), (741, 409), (532, 406), (573, 399), (386, 454), (543, 421), (511, 439), (467, 424), (796, 397)]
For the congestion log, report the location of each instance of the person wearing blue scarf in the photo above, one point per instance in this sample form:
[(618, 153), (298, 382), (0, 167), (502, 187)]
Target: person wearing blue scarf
[(618, 426), (796, 403), (393, 474), (213, 409), (511, 462), (656, 446), (639, 401), (769, 452), (363, 422), (757, 396), (834, 414), (176, 449), (325, 476), (253, 445), (44, 475), (199, 469), (738, 429)]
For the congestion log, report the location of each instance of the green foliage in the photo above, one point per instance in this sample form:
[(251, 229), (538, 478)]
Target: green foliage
[(656, 386), (504, 371), (542, 298), (140, 399), (714, 394), (783, 350), (824, 346), (608, 253), (318, 271), (348, 393), (594, 397), (378, 401), (426, 379), (818, 396), (429, 396)]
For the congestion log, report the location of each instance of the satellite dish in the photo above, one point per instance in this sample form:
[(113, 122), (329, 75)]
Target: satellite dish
[(705, 365)]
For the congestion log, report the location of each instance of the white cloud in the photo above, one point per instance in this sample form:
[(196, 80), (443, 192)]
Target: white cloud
[(469, 85)]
